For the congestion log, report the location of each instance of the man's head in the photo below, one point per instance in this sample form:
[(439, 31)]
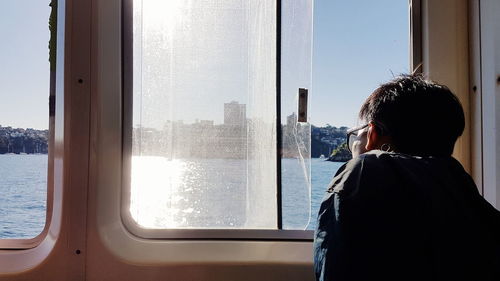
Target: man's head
[(413, 116)]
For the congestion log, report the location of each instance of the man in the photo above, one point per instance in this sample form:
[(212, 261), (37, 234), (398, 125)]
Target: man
[(403, 208)]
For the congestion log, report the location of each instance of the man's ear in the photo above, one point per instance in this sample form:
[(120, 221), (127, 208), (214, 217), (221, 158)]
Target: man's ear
[(372, 138)]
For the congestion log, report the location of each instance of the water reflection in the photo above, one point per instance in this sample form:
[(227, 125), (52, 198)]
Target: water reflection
[(155, 198), (215, 193), (194, 193)]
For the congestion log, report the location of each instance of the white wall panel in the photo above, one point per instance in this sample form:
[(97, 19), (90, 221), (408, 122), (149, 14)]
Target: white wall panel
[(490, 73)]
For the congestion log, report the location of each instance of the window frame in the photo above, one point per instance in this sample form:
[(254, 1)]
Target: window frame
[(415, 17), (192, 233), (415, 59), (485, 86)]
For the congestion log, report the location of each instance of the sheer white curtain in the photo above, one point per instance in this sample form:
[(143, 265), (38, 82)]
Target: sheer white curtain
[(204, 114)]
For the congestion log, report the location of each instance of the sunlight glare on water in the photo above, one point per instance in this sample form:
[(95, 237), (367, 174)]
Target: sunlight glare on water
[(156, 182)]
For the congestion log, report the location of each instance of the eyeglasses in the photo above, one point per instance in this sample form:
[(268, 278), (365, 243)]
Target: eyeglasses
[(352, 135)]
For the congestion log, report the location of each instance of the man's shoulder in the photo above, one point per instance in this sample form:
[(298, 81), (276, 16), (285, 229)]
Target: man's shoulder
[(376, 160), (379, 168), (399, 161), (351, 172)]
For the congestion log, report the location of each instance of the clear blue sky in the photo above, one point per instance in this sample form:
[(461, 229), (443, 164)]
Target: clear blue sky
[(357, 44), (24, 63)]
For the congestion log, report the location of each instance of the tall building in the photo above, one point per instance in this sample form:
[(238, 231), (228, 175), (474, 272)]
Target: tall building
[(235, 113), (291, 120)]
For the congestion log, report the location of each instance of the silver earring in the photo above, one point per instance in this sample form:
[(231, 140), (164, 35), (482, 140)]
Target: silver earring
[(386, 147)]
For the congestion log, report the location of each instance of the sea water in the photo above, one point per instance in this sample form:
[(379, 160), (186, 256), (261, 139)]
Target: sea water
[(23, 195), (23, 186)]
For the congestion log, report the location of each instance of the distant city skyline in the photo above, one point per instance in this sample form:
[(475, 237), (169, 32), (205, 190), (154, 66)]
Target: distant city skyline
[(356, 46)]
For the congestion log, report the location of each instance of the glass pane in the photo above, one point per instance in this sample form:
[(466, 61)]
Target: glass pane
[(204, 114), (296, 49), (24, 118), (357, 46)]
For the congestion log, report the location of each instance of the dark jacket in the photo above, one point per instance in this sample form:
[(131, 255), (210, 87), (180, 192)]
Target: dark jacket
[(389, 216)]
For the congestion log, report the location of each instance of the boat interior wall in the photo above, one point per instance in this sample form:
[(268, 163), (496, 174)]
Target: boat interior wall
[(86, 238), (487, 42), (476, 95), (445, 58)]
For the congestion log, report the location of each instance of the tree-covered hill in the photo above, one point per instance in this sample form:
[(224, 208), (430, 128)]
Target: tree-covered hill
[(17, 140)]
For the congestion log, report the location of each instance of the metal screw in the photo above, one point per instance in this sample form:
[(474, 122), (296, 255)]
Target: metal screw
[(78, 252)]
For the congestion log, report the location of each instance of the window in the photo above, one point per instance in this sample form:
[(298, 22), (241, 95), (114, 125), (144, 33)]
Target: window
[(25, 79), (203, 149), (357, 46), (203, 134)]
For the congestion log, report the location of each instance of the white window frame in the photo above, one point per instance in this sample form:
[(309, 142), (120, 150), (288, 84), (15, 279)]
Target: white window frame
[(227, 234), (484, 78)]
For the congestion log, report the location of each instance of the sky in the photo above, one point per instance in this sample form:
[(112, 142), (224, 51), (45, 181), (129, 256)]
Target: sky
[(24, 64), (356, 45)]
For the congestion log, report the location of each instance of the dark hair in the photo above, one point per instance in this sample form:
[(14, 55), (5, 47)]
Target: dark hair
[(422, 117)]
